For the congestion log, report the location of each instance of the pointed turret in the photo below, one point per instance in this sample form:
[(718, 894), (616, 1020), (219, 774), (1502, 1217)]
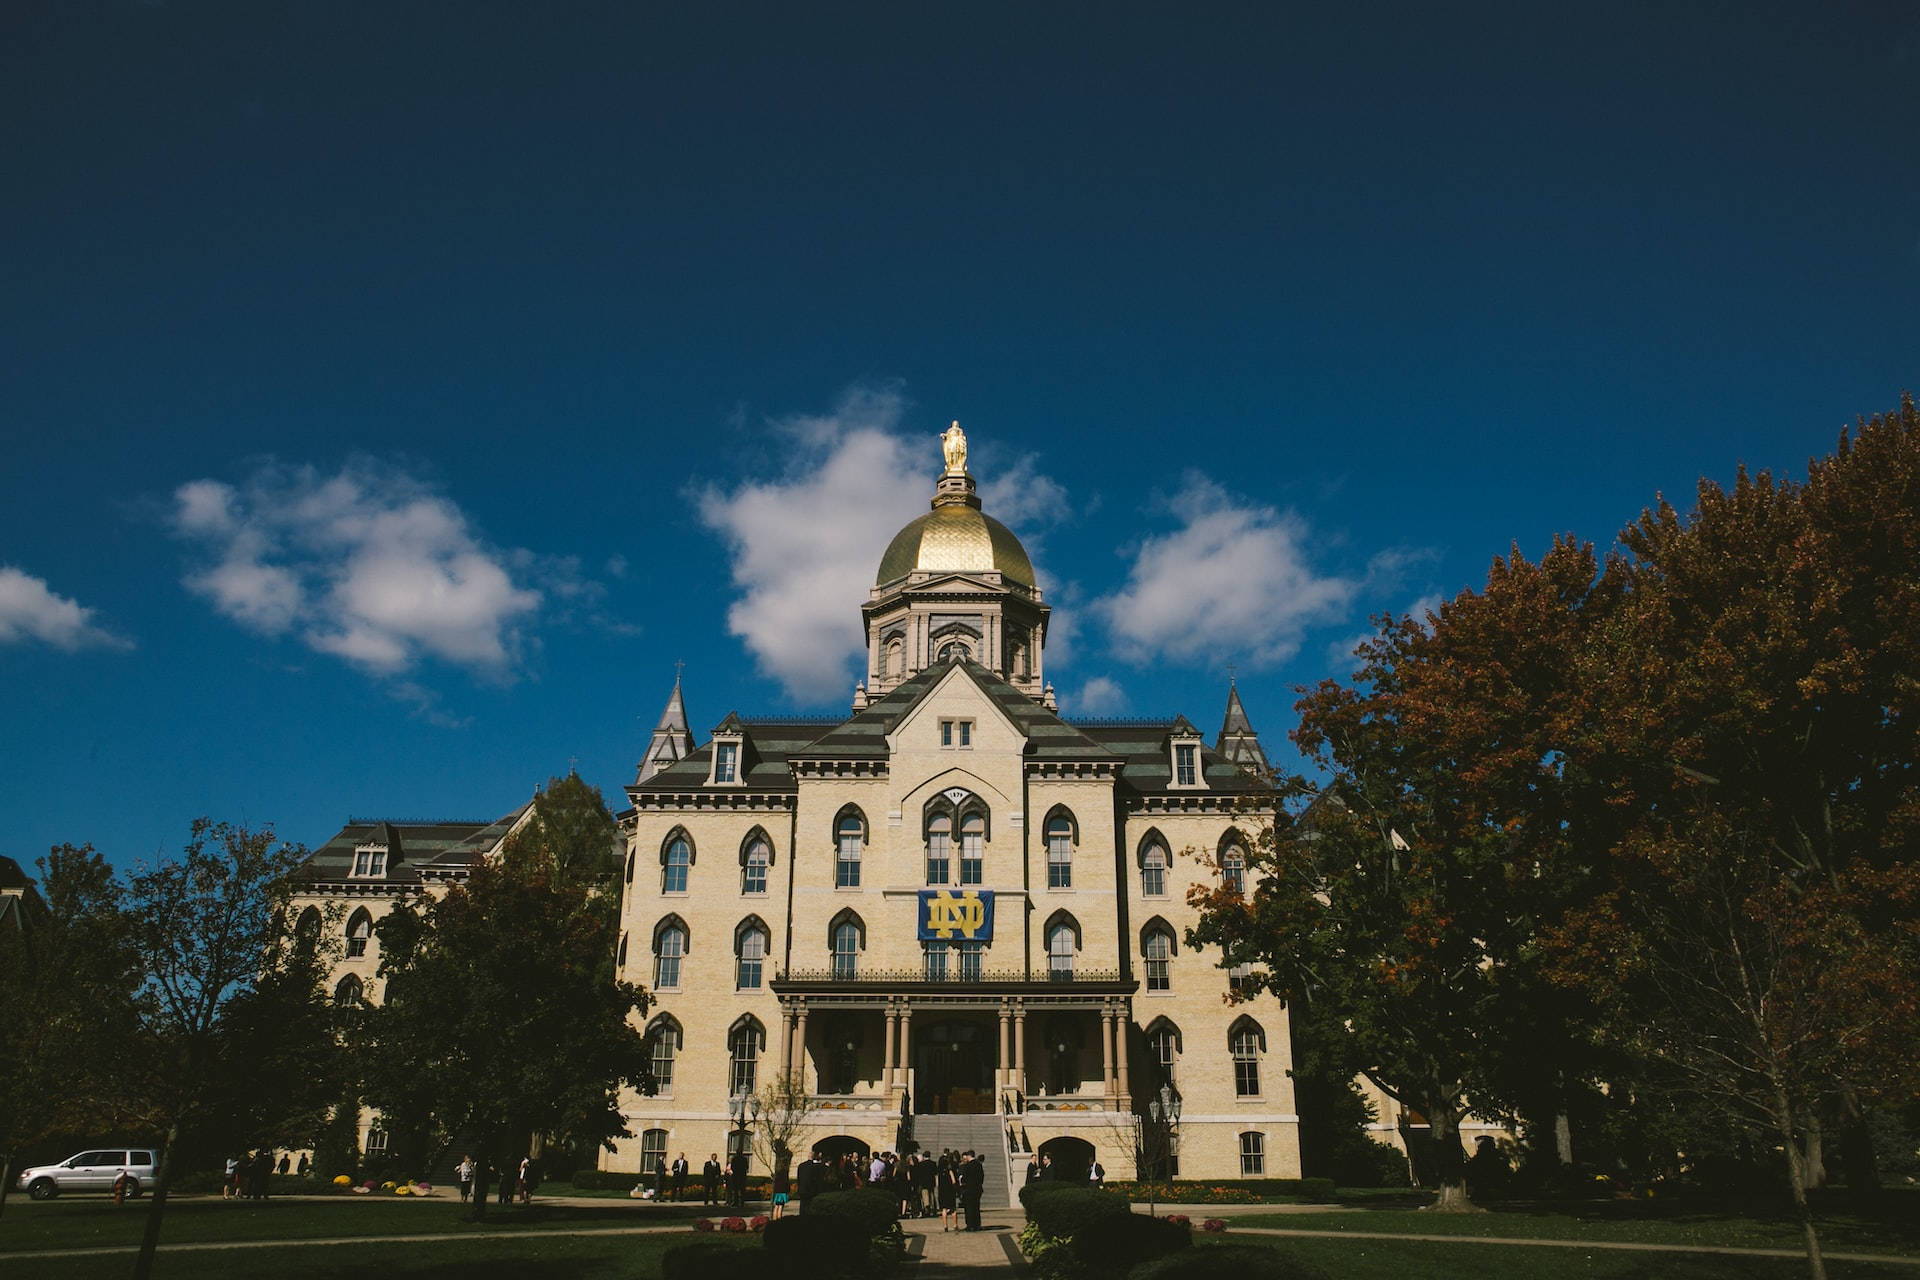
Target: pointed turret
[(1238, 742), (671, 740)]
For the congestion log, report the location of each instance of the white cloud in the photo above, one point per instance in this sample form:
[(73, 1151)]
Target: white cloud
[(368, 565), (1235, 579), (805, 545), (1100, 696), (29, 610)]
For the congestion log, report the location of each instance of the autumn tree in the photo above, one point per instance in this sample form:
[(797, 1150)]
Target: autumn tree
[(501, 1015), (67, 1014), (209, 929)]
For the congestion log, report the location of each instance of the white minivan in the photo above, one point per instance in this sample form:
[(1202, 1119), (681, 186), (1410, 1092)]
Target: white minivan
[(90, 1171)]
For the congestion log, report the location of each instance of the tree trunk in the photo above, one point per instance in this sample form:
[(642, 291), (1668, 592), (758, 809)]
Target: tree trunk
[(6, 1179), (1449, 1163), (1856, 1147), (1797, 1179), (482, 1161), (156, 1205), (1813, 1156), (1563, 1139)]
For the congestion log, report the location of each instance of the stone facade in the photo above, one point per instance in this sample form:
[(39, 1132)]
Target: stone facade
[(779, 877)]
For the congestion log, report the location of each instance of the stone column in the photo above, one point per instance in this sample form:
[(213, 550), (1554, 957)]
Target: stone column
[(786, 1039), (1121, 1023), (886, 1058), (800, 1044), (1106, 1048), (1020, 1047), (1000, 1076), (906, 1044)]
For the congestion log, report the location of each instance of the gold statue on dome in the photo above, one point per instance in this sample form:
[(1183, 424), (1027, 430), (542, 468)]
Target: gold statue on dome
[(953, 443)]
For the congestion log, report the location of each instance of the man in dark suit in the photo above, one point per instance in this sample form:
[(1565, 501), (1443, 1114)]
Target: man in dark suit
[(712, 1174), (680, 1177), (737, 1179), (973, 1181), (807, 1177)]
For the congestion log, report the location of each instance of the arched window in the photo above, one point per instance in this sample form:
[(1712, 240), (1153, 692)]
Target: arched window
[(349, 993), (632, 858), (653, 1147), (669, 948), (1156, 947), (955, 651), (896, 658), (939, 849), (666, 1038), (1163, 1047), (756, 855), (620, 960), (743, 1056), (750, 952), (1060, 850), (1063, 940), (1245, 1040), (1153, 869), (847, 937), (973, 864), (307, 928), (1253, 1154), (1233, 866), (359, 929), (849, 834), (675, 857)]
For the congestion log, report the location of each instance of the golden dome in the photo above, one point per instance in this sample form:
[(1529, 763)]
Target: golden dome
[(956, 538)]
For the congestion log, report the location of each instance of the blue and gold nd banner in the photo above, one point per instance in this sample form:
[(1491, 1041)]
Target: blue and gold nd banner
[(963, 916)]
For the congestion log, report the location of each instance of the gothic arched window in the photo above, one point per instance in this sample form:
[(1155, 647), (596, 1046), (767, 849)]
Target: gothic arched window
[(1153, 869), (743, 1056), (1156, 946), (666, 1036), (1060, 850), (1063, 940), (846, 938), (1245, 1039), (756, 855), (750, 953), (675, 857), (669, 948), (973, 865), (359, 929), (849, 834)]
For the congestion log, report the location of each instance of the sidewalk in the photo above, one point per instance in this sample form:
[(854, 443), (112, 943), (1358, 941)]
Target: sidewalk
[(952, 1255)]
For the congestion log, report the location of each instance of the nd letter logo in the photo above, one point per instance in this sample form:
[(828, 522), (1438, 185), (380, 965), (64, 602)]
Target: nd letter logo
[(948, 915)]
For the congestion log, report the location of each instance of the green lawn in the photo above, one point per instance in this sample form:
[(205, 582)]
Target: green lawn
[(74, 1223), (1398, 1260), (556, 1258), (1895, 1228)]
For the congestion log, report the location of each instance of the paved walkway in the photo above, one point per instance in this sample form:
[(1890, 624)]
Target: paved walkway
[(951, 1255)]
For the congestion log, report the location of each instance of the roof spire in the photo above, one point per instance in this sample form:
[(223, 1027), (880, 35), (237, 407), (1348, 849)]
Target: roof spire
[(1238, 742), (671, 741)]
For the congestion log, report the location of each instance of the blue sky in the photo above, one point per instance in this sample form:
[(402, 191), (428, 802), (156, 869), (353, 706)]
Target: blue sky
[(392, 394)]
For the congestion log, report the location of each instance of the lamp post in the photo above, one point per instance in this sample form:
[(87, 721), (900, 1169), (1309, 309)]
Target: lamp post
[(1164, 1111)]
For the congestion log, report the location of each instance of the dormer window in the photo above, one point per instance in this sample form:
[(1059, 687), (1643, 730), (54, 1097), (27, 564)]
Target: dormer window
[(369, 862), (726, 762), (1187, 766)]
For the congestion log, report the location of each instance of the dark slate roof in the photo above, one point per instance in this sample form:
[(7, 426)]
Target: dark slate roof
[(1138, 746), (436, 846), (11, 876)]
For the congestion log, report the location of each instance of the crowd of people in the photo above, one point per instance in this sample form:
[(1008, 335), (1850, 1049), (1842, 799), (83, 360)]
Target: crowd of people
[(249, 1176)]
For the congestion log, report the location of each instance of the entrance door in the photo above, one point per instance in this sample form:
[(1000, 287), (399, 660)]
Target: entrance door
[(953, 1065)]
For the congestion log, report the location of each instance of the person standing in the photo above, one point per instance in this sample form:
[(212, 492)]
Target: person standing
[(230, 1189), (464, 1171), (304, 1165), (973, 1182), (1097, 1176), (659, 1179), (680, 1177), (782, 1160), (1033, 1169), (737, 1180), (948, 1184), (711, 1173), (807, 1177)]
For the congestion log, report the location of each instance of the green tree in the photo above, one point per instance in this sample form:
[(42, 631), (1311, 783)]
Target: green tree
[(571, 829), (67, 1015), (501, 1016), (209, 929)]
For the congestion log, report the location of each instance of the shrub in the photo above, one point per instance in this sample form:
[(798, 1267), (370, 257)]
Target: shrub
[(1226, 1262), (735, 1225), (703, 1224), (1067, 1211), (1111, 1247), (758, 1222), (603, 1180), (712, 1260), (874, 1212), (1180, 1218), (1214, 1226), (812, 1247)]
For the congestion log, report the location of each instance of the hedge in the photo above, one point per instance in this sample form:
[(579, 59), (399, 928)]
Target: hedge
[(1111, 1247), (1249, 1190), (604, 1180), (874, 1212), (1064, 1211), (713, 1260), (815, 1247), (1226, 1262)]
